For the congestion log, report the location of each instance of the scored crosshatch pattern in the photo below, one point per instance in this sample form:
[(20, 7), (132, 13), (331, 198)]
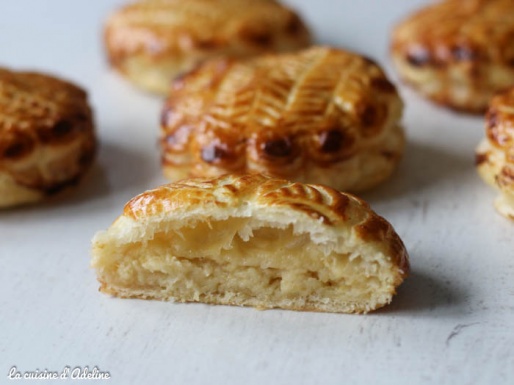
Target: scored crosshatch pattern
[(320, 111)]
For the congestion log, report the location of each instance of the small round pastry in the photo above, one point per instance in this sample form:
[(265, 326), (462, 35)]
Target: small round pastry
[(458, 53), (495, 154), (47, 139), (152, 41), (249, 240), (321, 115)]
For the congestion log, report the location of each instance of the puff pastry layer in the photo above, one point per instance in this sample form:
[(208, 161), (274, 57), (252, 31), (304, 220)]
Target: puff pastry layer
[(495, 154), (321, 115), (47, 138), (457, 52), (251, 240), (152, 41)]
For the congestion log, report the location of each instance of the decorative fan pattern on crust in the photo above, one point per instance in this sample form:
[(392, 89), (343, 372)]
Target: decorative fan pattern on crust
[(320, 116)]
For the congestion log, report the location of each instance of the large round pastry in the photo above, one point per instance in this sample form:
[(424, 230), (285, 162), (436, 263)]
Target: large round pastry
[(249, 240), (458, 53), (47, 139), (321, 115), (152, 41)]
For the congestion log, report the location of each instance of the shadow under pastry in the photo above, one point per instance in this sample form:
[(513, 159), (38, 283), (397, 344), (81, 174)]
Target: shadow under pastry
[(425, 292), (422, 166)]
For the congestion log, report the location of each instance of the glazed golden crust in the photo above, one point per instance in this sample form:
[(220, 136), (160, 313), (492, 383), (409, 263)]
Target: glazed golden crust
[(318, 116), (151, 41), (202, 211), (458, 53), (46, 136), (495, 155)]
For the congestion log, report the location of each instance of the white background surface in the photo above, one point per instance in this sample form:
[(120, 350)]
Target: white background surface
[(451, 323)]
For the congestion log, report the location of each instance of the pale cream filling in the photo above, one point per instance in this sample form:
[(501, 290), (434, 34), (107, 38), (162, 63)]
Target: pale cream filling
[(267, 262)]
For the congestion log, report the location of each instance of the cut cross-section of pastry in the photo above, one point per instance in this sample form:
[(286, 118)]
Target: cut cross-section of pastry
[(152, 41), (47, 139), (458, 53), (321, 115), (251, 240), (495, 154)]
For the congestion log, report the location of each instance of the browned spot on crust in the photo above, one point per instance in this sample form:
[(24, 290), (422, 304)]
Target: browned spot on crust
[(480, 158), (372, 118), (215, 153), (277, 148), (369, 116), (294, 26), (332, 141), (61, 132), (18, 148), (208, 44), (388, 155), (382, 84), (374, 228), (257, 35), (62, 128)]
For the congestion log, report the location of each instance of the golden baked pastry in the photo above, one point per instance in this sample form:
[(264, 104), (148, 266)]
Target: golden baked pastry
[(250, 240), (457, 52), (495, 154), (47, 139), (152, 41), (321, 115)]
